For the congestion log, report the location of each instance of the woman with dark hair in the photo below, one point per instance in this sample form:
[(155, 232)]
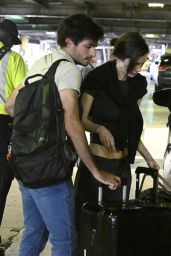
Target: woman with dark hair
[(110, 99)]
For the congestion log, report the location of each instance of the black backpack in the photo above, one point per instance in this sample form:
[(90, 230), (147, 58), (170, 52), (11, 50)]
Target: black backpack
[(39, 146)]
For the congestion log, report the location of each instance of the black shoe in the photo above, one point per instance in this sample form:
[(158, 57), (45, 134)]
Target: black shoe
[(2, 252)]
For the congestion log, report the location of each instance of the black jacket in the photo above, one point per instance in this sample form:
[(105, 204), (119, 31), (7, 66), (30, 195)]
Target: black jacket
[(115, 110)]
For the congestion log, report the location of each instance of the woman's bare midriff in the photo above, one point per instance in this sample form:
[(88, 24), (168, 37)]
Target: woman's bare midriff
[(100, 150)]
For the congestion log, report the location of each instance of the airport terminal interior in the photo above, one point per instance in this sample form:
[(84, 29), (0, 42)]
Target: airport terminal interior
[(155, 136), (37, 22)]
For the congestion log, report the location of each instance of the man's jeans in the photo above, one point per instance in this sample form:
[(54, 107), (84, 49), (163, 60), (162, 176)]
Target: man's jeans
[(52, 208)]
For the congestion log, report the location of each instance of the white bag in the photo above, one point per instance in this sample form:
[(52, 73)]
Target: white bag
[(167, 166)]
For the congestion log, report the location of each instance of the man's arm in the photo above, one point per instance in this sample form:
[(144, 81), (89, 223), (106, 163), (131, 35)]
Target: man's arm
[(9, 107), (76, 132)]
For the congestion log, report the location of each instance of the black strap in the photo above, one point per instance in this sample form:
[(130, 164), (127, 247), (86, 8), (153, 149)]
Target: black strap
[(58, 104), (50, 74), (59, 114), (52, 70), (3, 51)]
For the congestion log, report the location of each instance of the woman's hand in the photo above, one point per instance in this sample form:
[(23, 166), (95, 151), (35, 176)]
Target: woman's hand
[(147, 156), (106, 138), (152, 164)]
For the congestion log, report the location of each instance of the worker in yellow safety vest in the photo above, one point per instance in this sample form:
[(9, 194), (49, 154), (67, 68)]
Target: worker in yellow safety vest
[(12, 73)]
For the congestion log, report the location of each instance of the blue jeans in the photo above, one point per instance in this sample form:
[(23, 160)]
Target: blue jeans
[(49, 208)]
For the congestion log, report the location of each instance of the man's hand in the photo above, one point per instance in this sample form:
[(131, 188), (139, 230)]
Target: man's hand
[(108, 179)]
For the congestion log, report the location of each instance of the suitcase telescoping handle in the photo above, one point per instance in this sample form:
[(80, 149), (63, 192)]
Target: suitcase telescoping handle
[(124, 193), (148, 172)]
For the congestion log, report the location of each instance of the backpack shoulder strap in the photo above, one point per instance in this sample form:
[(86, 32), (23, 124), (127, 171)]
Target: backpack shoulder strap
[(3, 51), (52, 70), (49, 74), (58, 104)]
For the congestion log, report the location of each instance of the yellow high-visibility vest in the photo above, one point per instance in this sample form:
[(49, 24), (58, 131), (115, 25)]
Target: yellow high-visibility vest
[(12, 73)]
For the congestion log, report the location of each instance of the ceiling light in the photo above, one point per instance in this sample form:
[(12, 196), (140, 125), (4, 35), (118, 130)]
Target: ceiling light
[(152, 35), (14, 17), (161, 5)]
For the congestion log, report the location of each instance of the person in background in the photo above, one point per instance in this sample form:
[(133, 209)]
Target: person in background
[(52, 207), (110, 99), (12, 72)]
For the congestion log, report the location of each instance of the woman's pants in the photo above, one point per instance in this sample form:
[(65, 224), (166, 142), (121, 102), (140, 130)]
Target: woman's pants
[(86, 187), (6, 174)]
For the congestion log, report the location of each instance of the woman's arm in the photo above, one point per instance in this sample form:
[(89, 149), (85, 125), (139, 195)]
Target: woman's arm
[(147, 156), (86, 102), (105, 135), (145, 153)]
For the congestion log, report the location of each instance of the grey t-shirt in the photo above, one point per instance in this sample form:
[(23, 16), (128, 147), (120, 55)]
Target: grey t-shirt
[(68, 75)]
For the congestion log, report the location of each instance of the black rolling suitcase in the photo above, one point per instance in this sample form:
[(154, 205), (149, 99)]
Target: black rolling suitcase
[(133, 228), (163, 194)]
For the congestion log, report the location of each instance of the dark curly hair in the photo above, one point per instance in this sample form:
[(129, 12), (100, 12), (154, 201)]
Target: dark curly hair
[(78, 27)]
